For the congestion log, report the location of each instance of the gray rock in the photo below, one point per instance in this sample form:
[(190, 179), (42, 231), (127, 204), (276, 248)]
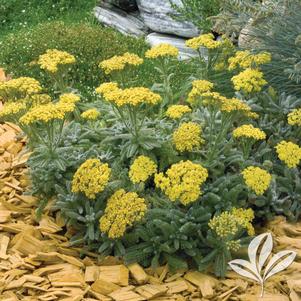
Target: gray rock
[(157, 16), (128, 24), (185, 53)]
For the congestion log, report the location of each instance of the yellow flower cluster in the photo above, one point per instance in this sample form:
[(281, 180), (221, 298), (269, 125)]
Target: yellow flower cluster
[(129, 96), (43, 113), (182, 181), (228, 223), (205, 40), (19, 87), (141, 169), (51, 111), (249, 131), (237, 105), (257, 179), (91, 178), (233, 245), (122, 211), (245, 59), (162, 50), (12, 108), (177, 111), (120, 62), (289, 153), (53, 59), (198, 88), (187, 137), (294, 117), (91, 114), (249, 80)]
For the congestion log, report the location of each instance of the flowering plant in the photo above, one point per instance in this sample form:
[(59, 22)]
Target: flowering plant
[(156, 176)]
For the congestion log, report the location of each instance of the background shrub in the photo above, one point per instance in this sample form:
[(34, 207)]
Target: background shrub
[(90, 44)]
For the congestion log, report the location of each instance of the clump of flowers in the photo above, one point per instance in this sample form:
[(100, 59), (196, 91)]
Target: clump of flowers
[(142, 168), (38, 99), (69, 98), (237, 105), (182, 181), (257, 179), (91, 178), (122, 211), (91, 114), (187, 137), (44, 113), (204, 40), (245, 59), (289, 153), (249, 81), (198, 88), (249, 131), (228, 224), (177, 111), (162, 50), (19, 88), (11, 109), (129, 96), (53, 59), (120, 62), (294, 117)]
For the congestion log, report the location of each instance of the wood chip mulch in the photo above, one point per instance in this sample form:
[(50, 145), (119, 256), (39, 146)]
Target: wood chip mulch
[(37, 263)]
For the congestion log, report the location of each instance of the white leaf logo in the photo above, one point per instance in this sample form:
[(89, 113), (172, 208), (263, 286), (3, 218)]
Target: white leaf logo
[(259, 250)]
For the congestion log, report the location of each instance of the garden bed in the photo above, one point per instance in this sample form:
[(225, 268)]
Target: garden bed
[(38, 263)]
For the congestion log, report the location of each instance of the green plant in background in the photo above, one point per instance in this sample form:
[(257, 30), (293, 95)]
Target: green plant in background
[(197, 12), (139, 174)]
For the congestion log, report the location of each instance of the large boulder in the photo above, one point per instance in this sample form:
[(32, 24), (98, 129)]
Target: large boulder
[(157, 15), (185, 53), (128, 24)]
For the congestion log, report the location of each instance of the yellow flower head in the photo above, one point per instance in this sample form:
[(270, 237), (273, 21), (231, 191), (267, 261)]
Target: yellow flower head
[(294, 117), (69, 98), (141, 169), (177, 111), (214, 99), (120, 62), (249, 131), (12, 109), (228, 223), (53, 59), (182, 182), (237, 105), (107, 88), (130, 96), (122, 211), (43, 113), (249, 80), (257, 179), (19, 88), (187, 137), (162, 50), (289, 153), (245, 59), (91, 114), (198, 88), (91, 178), (204, 40)]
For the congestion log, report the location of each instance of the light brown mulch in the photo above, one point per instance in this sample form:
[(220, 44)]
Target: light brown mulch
[(37, 263)]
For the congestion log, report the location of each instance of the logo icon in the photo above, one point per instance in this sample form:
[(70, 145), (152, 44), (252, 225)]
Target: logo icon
[(262, 264)]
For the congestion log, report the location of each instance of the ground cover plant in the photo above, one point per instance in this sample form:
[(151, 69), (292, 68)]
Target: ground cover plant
[(155, 174)]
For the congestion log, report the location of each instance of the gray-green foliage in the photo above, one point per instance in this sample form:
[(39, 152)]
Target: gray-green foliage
[(197, 12)]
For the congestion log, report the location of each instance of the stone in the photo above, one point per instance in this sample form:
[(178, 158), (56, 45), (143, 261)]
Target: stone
[(157, 15), (126, 5), (185, 52), (128, 24)]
